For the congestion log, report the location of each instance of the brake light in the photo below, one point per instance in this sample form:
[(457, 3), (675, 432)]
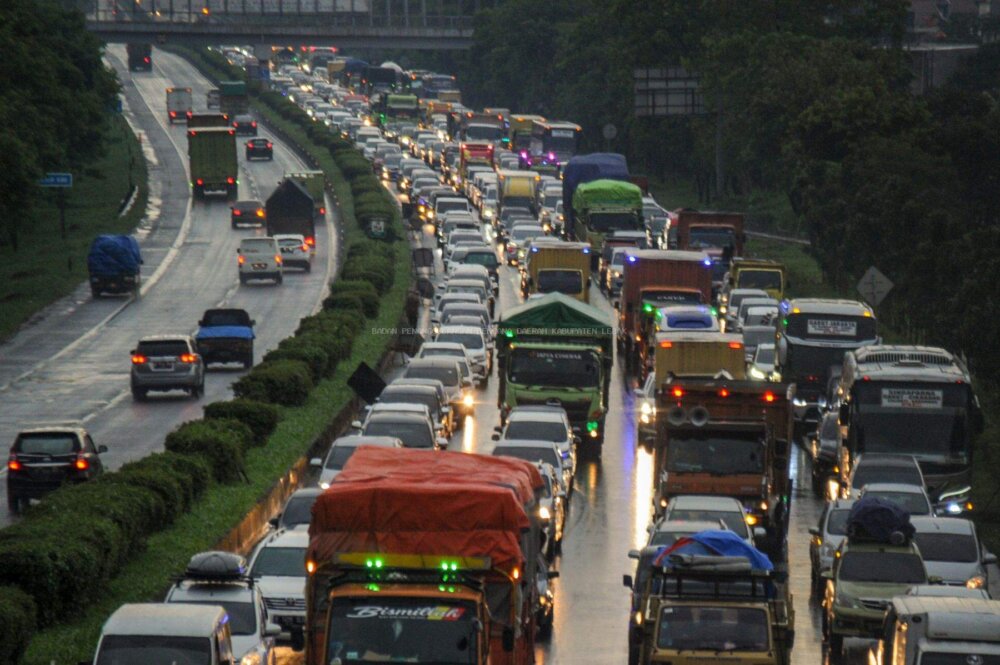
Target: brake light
[(188, 358), (139, 359), (81, 464), (277, 259), (677, 392), (235, 124), (230, 180), (253, 124), (310, 241), (146, 59), (192, 133), (173, 114), (769, 397), (305, 247), (322, 211), (736, 345), (241, 259), (199, 181), (666, 345), (269, 145), (260, 212), (237, 213), (724, 392), (14, 464)]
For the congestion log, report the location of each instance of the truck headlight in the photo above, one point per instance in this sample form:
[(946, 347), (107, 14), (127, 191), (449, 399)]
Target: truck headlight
[(799, 401), (615, 274), (468, 400), (757, 374), (544, 513)]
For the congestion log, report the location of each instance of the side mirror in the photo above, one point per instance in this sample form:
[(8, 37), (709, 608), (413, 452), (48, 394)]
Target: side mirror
[(104, 449), (356, 424), (443, 442), (495, 436), (553, 574), (989, 558), (507, 639), (253, 322), (316, 462), (627, 581), (273, 522), (827, 574), (634, 554), (201, 322), (814, 531), (272, 630), (298, 639)]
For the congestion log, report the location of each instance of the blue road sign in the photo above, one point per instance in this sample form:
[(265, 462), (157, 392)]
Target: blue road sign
[(57, 180)]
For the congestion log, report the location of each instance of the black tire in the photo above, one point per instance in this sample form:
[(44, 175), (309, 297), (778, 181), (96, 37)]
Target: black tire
[(248, 361), (836, 644), (279, 279), (198, 390), (309, 266), (138, 394), (15, 504), (243, 278)]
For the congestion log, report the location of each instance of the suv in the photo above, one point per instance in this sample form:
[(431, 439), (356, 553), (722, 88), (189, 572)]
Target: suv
[(259, 258), (220, 578), (245, 125), (826, 537), (278, 567), (294, 250), (43, 459), (262, 148), (878, 468), (297, 511), (250, 213), (167, 362), (548, 423)]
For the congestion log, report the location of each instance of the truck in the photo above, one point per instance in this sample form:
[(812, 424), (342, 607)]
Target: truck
[(214, 166), (718, 233), (557, 350), (212, 99), (698, 354), (470, 154), (601, 207), (584, 168), (516, 189), (727, 437), (652, 279), (764, 274), (314, 182), (395, 107), (456, 533), (482, 127), (179, 104), (433, 107), (199, 120), (291, 209), (920, 629), (913, 400), (233, 98), (554, 265), (226, 336), (140, 57), (114, 264), (711, 594), (519, 133)]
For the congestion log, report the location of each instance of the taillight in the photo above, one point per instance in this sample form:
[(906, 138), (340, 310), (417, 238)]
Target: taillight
[(736, 345), (322, 211), (724, 392), (666, 345), (187, 358), (241, 259), (237, 213), (173, 114), (230, 180), (81, 464), (146, 60), (138, 359), (269, 145), (13, 464), (260, 212), (253, 124), (677, 392), (769, 396), (310, 241), (199, 181), (305, 247), (235, 124), (277, 259)]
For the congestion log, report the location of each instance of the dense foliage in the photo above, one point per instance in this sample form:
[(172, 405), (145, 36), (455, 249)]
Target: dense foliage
[(56, 97)]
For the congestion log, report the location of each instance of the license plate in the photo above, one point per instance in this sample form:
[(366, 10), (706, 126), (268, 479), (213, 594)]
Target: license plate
[(163, 366), (259, 266)]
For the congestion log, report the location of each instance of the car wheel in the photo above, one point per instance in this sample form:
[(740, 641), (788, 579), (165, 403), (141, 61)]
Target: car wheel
[(138, 394), (308, 267), (15, 504), (243, 278), (836, 647), (279, 279)]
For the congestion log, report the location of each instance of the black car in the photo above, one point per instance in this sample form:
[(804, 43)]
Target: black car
[(260, 148), (43, 459), (243, 213), (245, 125)]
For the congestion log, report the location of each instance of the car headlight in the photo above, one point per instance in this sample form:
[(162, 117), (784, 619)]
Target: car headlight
[(723, 309), (250, 658), (647, 409), (977, 582), (487, 213), (799, 401), (757, 374), (846, 601), (324, 486), (468, 400), (827, 550), (544, 513)]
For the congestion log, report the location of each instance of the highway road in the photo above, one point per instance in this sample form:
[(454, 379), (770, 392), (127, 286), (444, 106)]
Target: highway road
[(72, 362)]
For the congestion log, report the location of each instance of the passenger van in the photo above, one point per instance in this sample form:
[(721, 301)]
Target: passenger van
[(166, 632)]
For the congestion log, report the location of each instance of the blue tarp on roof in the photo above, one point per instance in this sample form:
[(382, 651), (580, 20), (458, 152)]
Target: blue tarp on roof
[(215, 332), (111, 256), (715, 543), (875, 518), (585, 168)]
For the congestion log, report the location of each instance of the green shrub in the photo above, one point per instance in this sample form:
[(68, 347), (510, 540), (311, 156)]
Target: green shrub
[(260, 417), (347, 302), (194, 471), (364, 291), (306, 351), (376, 270), (372, 247), (353, 167), (170, 481), (17, 623), (285, 382), (220, 441)]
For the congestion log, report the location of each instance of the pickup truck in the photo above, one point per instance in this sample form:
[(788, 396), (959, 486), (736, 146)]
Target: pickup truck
[(225, 336)]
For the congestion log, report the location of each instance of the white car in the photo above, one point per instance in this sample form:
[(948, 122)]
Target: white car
[(294, 250), (259, 258), (450, 298), (278, 568), (341, 451), (474, 341), (538, 451), (546, 423), (712, 509)]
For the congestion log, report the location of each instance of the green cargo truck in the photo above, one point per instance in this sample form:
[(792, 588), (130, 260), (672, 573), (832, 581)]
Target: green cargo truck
[(214, 167), (233, 99), (556, 350), (314, 183), (602, 207)]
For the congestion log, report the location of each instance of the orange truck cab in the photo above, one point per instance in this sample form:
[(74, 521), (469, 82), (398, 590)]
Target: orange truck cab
[(720, 234)]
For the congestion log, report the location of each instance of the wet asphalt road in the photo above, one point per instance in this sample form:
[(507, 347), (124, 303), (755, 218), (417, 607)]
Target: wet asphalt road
[(72, 362)]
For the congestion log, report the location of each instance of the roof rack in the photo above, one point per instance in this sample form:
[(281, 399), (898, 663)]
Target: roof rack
[(217, 567), (717, 577)]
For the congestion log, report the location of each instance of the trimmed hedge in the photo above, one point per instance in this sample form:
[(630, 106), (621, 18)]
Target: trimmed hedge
[(284, 382), (345, 302), (222, 442), (306, 351), (260, 417), (362, 290), (17, 623)]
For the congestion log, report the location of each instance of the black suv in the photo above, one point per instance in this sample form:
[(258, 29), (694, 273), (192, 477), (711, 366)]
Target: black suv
[(245, 125), (43, 459), (262, 148), (247, 213)]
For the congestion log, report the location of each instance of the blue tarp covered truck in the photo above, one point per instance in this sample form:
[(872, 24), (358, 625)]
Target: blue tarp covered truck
[(226, 336), (114, 264)]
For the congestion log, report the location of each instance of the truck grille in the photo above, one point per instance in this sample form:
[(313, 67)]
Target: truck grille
[(874, 604), (285, 604)]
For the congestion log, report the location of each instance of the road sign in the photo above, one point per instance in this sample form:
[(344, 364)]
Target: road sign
[(609, 131), (57, 180), (874, 286)]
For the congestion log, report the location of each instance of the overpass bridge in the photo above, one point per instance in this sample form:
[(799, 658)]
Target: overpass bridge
[(348, 24)]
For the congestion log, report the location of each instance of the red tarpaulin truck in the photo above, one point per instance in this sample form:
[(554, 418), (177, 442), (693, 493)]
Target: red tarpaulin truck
[(420, 556), (471, 154), (652, 279)]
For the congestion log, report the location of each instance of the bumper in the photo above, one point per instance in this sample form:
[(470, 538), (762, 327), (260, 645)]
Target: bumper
[(287, 622), (167, 381), (260, 154), (33, 489), (856, 622), (116, 284)]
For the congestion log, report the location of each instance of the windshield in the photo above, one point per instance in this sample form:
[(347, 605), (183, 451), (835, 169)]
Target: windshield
[(161, 349), (667, 538), (759, 279), (338, 457), (569, 282), (402, 630), (468, 340), (413, 435), (530, 454), (524, 233), (551, 200), (483, 133), (911, 502), (446, 375), (154, 650), (733, 520), (543, 367), (279, 562), (533, 429), (603, 222), (836, 524), (811, 364), (618, 258), (242, 617), (828, 428), (764, 355), (426, 398), (947, 547), (713, 629), (487, 259), (760, 316), (882, 567), (911, 418), (298, 510), (865, 474), (46, 444), (697, 452), (448, 206), (703, 237), (560, 143)]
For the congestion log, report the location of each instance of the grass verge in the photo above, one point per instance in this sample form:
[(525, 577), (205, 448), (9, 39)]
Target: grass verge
[(48, 267)]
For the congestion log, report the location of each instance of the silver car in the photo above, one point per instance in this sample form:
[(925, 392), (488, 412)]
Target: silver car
[(278, 568), (341, 451), (952, 551), (167, 362)]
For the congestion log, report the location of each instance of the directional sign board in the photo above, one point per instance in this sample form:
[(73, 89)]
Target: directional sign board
[(57, 180), (874, 286)]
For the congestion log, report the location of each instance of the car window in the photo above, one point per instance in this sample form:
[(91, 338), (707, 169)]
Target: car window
[(865, 474), (412, 434), (885, 567), (530, 454), (532, 429), (836, 525), (46, 444), (242, 618), (947, 547), (734, 521), (911, 502), (162, 348), (338, 457), (279, 562), (468, 340), (298, 510)]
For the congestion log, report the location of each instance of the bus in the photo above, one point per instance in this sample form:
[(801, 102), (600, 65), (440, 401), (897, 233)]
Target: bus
[(520, 132), (553, 142), (432, 84), (811, 337), (380, 79), (913, 400)]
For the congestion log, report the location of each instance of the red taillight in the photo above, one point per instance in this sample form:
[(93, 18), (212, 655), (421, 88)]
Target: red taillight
[(241, 259), (305, 247), (666, 345), (769, 396), (192, 133), (736, 345), (253, 124), (230, 180), (173, 114), (190, 114), (237, 213), (277, 259), (13, 464), (310, 241), (260, 212), (81, 464), (146, 60), (199, 181), (138, 359), (235, 124), (188, 358), (677, 392), (269, 145), (322, 211), (724, 392)]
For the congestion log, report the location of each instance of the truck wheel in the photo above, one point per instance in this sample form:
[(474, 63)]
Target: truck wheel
[(139, 394), (248, 360), (279, 279), (243, 278), (95, 291), (232, 192)]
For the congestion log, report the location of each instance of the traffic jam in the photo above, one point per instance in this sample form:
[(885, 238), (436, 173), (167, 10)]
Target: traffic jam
[(562, 305)]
